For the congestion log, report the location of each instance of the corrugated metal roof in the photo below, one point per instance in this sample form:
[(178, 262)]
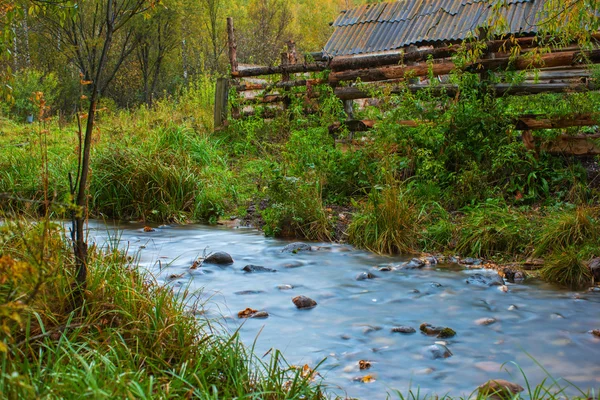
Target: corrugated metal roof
[(389, 26)]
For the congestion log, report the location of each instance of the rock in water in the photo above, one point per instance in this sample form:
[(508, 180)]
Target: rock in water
[(220, 258), (365, 275), (485, 321), (415, 263), (439, 331), (437, 351), (304, 302), (260, 314), (594, 266), (296, 247), (499, 389), (485, 280), (403, 329), (595, 332), (257, 268)]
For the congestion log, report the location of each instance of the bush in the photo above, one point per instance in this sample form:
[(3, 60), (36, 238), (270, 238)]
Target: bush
[(567, 268)]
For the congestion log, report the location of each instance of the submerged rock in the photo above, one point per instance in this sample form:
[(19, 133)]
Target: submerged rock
[(387, 268), (595, 332), (471, 261), (257, 268), (499, 389), (415, 263), (252, 313), (364, 276), (485, 321), (220, 257), (285, 287), (304, 302), (296, 247), (436, 351), (485, 280), (437, 331), (248, 292), (594, 267), (403, 329)]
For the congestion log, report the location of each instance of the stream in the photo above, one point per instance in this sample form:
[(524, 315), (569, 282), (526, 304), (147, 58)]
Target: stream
[(536, 324)]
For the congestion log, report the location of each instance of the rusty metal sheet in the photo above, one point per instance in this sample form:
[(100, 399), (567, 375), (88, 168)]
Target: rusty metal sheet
[(390, 26)]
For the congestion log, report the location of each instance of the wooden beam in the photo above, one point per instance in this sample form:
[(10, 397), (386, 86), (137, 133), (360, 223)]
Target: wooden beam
[(246, 86), (231, 44), (353, 93), (519, 63), (343, 63), (290, 69), (532, 122)]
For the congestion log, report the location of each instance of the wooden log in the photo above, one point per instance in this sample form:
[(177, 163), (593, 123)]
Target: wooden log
[(246, 86), (351, 125), (444, 68), (575, 145), (342, 63), (269, 113), (532, 122), (501, 89), (290, 69), (221, 101), (231, 44)]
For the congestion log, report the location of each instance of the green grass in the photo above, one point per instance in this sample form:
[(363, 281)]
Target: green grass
[(132, 338), (388, 223)]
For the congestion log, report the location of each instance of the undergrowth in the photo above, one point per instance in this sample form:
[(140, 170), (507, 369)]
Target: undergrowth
[(131, 339)]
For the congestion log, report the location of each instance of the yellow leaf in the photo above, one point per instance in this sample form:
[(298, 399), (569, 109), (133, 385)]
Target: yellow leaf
[(3, 347)]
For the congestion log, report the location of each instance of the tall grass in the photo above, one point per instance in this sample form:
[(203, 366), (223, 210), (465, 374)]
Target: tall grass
[(132, 338), (388, 223)]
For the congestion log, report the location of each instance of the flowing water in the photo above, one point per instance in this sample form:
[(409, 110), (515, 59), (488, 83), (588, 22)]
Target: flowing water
[(536, 322)]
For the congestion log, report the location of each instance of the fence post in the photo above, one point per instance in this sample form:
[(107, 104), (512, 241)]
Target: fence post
[(221, 100)]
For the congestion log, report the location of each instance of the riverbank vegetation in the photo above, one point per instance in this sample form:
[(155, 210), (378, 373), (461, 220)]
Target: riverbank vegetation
[(131, 339), (459, 183)]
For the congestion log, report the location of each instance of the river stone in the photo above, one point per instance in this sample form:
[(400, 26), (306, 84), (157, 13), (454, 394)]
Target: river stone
[(499, 389), (285, 287), (415, 263), (471, 261), (485, 321), (296, 247), (485, 280), (436, 284), (220, 257), (260, 314), (595, 332), (257, 268), (403, 329), (513, 307), (439, 331), (387, 268), (304, 302), (436, 351), (431, 260), (294, 264), (248, 292), (594, 266), (365, 275)]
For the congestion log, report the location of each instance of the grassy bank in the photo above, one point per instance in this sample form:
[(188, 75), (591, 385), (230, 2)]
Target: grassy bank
[(460, 183), (131, 339)]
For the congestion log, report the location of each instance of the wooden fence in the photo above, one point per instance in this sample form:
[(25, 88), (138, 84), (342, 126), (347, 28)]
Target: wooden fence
[(562, 70)]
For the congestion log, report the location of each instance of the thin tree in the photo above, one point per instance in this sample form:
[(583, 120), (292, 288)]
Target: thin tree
[(90, 31)]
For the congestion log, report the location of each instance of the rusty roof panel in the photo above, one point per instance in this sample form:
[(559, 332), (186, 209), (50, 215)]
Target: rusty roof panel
[(391, 26)]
